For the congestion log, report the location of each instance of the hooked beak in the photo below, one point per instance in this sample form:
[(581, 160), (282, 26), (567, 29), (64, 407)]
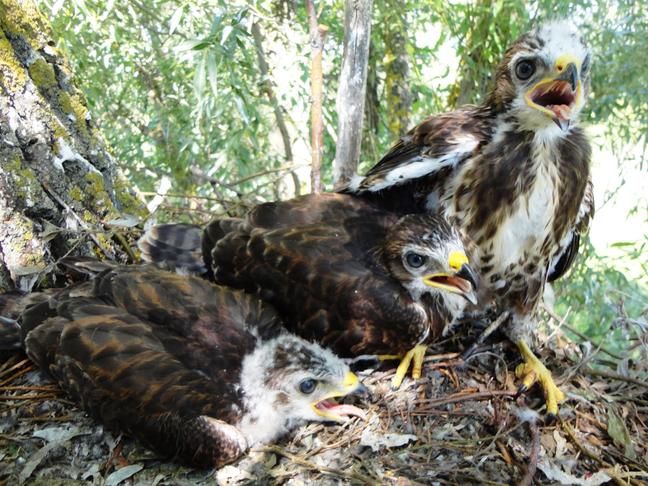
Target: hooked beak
[(329, 409), (463, 281), (557, 97)]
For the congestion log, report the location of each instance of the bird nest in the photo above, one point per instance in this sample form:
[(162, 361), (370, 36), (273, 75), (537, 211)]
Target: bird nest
[(460, 424)]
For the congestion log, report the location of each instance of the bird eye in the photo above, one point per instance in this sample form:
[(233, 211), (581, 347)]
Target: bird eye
[(586, 63), (524, 69), (415, 260), (307, 386)]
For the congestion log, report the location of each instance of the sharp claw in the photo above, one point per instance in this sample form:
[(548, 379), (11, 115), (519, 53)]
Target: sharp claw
[(522, 389), (550, 419)]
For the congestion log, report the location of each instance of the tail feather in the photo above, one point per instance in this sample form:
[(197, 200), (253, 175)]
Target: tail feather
[(10, 308), (174, 247)]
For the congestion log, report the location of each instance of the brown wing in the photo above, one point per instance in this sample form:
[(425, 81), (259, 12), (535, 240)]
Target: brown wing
[(431, 150), (119, 370), (323, 280), (309, 209), (154, 354)]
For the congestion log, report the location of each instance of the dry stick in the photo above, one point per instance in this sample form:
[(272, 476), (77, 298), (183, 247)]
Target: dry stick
[(614, 376), (14, 367), (580, 334), (25, 397), (29, 388), (533, 455), (82, 223), (321, 469), (317, 35), (20, 373), (462, 397)]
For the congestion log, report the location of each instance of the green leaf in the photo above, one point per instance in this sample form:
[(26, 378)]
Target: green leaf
[(175, 19), (212, 72), (619, 433)]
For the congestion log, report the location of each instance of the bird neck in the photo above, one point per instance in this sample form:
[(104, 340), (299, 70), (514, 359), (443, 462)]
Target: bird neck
[(263, 419)]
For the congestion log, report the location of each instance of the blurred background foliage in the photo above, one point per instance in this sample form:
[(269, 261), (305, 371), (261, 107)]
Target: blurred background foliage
[(182, 95)]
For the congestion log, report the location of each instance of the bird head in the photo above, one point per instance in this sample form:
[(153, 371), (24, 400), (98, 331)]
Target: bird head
[(288, 381), (425, 253), (545, 76)]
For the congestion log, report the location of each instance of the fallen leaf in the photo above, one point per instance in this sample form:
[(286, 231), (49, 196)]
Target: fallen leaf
[(122, 474), (37, 458), (554, 473), (379, 441), (619, 433)]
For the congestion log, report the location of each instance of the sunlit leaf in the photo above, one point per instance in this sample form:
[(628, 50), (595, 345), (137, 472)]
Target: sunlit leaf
[(175, 19)]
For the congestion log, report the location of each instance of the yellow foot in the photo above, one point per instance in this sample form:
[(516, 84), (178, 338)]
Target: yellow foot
[(533, 370), (416, 354)]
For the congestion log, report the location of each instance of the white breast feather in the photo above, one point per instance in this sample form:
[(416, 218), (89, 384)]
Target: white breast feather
[(527, 227)]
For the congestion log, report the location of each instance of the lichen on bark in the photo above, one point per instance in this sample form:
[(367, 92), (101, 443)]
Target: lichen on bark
[(55, 167)]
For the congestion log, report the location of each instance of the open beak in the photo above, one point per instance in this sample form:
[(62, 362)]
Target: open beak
[(338, 412), (557, 97), (463, 281)]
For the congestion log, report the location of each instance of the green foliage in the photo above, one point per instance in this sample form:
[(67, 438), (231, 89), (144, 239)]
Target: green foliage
[(179, 93), (607, 297)]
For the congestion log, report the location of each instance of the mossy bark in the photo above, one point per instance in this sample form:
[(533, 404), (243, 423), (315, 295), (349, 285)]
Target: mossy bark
[(58, 181)]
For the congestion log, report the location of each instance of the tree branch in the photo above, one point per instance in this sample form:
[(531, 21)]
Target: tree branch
[(351, 93), (317, 35)]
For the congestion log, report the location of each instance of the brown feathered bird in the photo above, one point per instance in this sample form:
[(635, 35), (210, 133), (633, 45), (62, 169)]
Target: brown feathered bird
[(513, 173), (338, 270), (195, 371)]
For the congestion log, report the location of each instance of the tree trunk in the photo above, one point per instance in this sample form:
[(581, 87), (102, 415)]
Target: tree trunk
[(58, 182), (317, 35), (396, 69), (351, 92)]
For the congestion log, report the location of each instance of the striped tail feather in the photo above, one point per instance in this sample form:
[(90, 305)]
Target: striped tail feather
[(176, 247)]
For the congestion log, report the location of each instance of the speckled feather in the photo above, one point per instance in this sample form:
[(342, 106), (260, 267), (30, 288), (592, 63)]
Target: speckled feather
[(480, 165), (153, 354), (331, 265)]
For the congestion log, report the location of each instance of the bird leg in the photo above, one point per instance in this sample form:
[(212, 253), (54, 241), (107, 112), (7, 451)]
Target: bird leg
[(415, 357), (533, 370)]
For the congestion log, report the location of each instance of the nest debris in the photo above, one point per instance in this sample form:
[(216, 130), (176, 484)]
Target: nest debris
[(460, 424)]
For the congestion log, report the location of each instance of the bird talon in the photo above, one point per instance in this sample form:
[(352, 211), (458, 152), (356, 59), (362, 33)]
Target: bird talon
[(550, 419), (415, 355), (532, 371), (522, 389)]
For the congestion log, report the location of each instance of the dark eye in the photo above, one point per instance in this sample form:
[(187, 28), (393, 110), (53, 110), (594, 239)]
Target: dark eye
[(585, 66), (524, 69), (415, 260), (307, 386)]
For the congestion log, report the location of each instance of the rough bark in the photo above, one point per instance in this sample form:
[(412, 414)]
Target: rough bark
[(317, 34), (58, 181), (351, 91), (396, 68)]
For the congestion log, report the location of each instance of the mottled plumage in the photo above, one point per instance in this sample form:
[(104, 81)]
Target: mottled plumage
[(339, 270), (514, 177), (197, 372), (512, 173)]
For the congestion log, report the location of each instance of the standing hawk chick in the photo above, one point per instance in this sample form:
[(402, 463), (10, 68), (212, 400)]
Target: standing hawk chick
[(513, 173)]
